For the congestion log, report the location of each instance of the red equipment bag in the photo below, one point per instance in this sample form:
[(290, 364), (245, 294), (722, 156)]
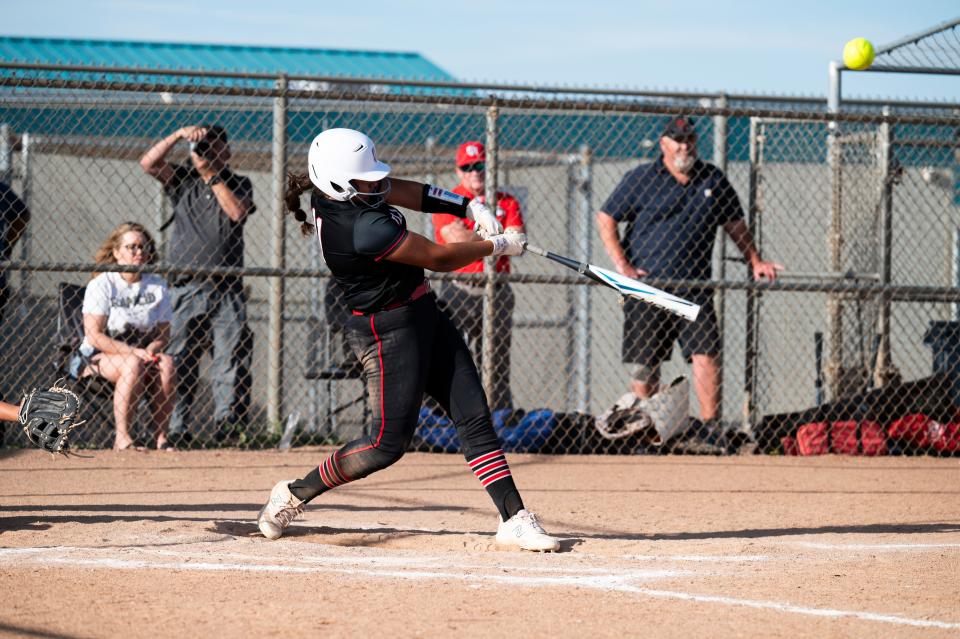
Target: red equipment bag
[(859, 438), (813, 439), (950, 441), (915, 430), (842, 438), (919, 431), (789, 444)]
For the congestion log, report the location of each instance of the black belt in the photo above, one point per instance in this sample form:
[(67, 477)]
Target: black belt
[(418, 292)]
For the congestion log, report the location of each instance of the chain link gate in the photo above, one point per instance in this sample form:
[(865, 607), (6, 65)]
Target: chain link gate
[(860, 332), (73, 141)]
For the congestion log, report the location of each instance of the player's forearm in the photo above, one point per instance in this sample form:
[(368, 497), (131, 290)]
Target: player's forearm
[(457, 255), (417, 250)]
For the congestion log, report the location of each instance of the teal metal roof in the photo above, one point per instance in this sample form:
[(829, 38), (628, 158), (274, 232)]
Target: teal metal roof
[(222, 57)]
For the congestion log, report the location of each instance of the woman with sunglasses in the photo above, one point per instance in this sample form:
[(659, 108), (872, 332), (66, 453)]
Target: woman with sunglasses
[(126, 325), (407, 347)]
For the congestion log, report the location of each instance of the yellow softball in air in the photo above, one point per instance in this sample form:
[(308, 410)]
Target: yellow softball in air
[(858, 54)]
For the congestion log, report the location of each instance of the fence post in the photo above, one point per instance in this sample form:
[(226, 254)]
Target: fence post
[(26, 141), (956, 229), (430, 146), (584, 186), (835, 89), (275, 327), (720, 123), (752, 302), (570, 294), (490, 192), (887, 172), (834, 361), (6, 163)]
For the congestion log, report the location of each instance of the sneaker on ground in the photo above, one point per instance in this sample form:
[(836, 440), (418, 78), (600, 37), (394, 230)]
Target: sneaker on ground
[(524, 531), (281, 509)]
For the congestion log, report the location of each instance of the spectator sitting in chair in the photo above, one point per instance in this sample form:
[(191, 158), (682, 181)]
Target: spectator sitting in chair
[(126, 325)]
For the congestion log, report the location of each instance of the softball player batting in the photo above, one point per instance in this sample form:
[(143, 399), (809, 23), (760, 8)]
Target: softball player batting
[(406, 345)]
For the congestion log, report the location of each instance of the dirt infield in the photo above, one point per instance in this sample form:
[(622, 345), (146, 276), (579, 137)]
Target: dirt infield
[(164, 544)]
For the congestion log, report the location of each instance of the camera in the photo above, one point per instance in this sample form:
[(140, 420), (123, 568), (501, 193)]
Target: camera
[(201, 148)]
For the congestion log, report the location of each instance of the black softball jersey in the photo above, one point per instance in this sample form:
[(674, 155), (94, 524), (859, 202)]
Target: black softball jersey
[(355, 242)]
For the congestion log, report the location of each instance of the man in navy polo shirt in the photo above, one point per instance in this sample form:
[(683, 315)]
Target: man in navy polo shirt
[(672, 208)]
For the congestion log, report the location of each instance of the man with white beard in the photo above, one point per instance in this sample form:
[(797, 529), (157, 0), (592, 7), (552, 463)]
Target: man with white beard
[(672, 208)]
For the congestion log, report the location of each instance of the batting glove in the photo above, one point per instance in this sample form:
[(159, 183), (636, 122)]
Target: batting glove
[(508, 243), (486, 222)]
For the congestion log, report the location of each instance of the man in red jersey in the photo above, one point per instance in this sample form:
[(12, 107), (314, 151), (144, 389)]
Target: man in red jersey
[(464, 300)]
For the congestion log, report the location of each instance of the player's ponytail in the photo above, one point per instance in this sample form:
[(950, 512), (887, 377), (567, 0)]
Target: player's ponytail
[(297, 184)]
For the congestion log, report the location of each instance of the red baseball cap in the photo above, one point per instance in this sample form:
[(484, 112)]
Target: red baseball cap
[(470, 152)]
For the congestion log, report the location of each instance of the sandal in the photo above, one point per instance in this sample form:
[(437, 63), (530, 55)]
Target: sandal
[(167, 445), (132, 446)]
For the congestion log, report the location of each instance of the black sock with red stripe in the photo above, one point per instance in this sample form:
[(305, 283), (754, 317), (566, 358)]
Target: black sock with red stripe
[(494, 474), (319, 480)]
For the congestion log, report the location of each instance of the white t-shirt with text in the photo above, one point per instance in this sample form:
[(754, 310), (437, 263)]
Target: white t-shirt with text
[(138, 305)]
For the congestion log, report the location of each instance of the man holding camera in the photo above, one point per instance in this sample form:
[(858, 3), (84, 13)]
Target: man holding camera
[(210, 208)]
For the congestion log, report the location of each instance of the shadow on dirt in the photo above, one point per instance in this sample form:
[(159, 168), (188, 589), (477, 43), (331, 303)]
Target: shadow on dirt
[(20, 631), (374, 537), (754, 533), (128, 512)]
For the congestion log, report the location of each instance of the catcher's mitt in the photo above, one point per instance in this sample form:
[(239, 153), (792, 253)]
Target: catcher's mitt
[(48, 416)]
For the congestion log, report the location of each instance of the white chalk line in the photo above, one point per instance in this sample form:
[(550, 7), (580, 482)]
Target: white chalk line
[(622, 582), (816, 545), (721, 559), (803, 610), (439, 561), (318, 562)]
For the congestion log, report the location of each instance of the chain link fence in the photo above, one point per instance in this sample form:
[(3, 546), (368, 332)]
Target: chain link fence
[(856, 347)]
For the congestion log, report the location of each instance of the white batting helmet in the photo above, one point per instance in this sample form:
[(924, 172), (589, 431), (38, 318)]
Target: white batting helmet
[(339, 155)]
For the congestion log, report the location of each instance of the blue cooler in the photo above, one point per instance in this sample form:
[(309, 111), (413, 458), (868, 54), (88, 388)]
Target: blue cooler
[(943, 338)]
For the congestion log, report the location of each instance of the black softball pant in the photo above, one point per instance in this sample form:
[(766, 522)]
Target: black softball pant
[(406, 352)]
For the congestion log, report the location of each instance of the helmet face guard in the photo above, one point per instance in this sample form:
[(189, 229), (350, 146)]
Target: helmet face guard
[(374, 198), (339, 156)]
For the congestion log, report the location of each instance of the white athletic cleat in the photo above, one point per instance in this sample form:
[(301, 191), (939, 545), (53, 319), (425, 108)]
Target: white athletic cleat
[(524, 531), (281, 509)]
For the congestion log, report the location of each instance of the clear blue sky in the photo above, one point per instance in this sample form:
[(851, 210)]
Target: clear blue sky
[(754, 47)]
